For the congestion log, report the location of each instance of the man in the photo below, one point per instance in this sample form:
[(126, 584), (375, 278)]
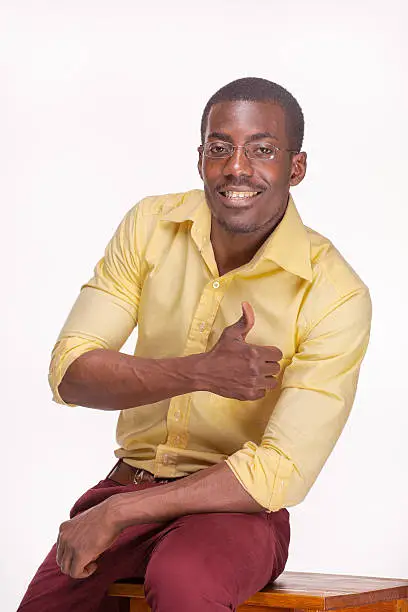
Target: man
[(251, 332)]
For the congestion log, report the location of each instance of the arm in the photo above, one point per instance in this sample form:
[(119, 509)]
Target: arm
[(87, 368), (317, 394), (109, 380), (213, 489), (84, 538), (102, 318)]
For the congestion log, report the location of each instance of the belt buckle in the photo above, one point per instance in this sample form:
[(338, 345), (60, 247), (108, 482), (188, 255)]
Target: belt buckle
[(138, 475)]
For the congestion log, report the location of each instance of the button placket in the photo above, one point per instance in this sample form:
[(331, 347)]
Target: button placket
[(205, 314), (178, 440)]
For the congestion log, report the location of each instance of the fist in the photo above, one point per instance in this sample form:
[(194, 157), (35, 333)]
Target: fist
[(239, 370)]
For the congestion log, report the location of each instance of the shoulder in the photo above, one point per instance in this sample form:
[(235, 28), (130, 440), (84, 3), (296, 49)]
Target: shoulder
[(144, 216), (142, 228), (330, 267), (161, 205), (334, 285)]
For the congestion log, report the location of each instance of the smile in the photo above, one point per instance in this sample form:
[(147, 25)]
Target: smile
[(239, 195)]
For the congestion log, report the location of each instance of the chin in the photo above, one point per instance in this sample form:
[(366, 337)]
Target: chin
[(238, 227)]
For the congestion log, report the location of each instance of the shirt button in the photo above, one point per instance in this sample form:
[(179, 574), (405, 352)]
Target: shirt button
[(202, 327), (216, 284), (177, 440), (166, 459), (177, 415)]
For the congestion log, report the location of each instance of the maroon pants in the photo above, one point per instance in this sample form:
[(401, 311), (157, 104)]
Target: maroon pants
[(195, 563)]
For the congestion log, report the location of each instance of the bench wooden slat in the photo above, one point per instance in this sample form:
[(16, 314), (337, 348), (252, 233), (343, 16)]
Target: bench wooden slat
[(331, 591), (139, 605), (307, 591), (246, 608)]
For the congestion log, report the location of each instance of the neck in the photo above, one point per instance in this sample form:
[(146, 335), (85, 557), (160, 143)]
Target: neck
[(233, 250)]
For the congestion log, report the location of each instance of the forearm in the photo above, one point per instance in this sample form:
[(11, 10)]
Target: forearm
[(213, 489), (110, 380)]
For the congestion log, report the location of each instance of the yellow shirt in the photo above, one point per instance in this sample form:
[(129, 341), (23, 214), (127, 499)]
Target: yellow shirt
[(159, 273)]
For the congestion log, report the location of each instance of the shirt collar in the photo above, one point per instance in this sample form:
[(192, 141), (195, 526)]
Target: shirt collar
[(288, 245)]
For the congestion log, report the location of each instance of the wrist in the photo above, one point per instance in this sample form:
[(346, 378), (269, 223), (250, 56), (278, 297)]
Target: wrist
[(116, 508), (137, 507), (196, 367)]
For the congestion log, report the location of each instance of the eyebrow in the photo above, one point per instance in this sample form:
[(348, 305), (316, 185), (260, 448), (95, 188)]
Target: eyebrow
[(220, 136), (260, 135), (227, 138)]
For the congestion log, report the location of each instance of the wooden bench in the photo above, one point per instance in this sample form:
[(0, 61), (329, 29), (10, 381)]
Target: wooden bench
[(300, 592)]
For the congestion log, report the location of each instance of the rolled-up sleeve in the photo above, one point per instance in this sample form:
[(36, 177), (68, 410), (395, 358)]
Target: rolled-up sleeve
[(318, 390), (106, 310)]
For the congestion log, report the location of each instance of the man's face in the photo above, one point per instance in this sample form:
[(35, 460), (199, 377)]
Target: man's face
[(239, 123)]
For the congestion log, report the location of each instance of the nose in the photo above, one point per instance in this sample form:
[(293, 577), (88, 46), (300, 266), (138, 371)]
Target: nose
[(238, 164)]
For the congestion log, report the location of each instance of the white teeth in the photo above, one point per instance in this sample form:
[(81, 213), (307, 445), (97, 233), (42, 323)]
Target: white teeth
[(240, 194)]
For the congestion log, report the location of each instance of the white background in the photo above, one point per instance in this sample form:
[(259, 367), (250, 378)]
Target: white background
[(100, 105)]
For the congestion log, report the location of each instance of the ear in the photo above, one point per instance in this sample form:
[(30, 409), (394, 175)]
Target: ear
[(200, 163), (298, 170)]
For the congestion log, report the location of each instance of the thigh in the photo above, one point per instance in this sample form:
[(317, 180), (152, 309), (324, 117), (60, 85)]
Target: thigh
[(229, 556)]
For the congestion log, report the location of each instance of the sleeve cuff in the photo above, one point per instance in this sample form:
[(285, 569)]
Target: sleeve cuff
[(264, 473), (65, 352)]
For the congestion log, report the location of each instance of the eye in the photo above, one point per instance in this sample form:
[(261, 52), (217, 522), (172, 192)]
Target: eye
[(217, 148), (263, 150)]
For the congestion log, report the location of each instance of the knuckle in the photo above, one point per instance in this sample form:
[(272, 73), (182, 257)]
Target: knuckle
[(279, 354), (275, 353), (253, 369)]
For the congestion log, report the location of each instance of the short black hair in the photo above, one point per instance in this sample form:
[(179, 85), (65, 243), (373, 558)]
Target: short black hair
[(255, 89)]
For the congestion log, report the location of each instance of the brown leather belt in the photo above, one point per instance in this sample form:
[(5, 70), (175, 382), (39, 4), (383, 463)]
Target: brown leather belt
[(125, 474)]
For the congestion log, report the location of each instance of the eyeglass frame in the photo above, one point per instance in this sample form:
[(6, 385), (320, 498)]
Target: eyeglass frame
[(200, 149)]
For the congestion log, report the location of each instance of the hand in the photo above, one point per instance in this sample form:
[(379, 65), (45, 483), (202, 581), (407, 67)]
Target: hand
[(239, 370), (84, 538)]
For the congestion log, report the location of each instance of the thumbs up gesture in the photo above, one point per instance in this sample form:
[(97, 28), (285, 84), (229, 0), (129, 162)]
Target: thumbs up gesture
[(239, 370)]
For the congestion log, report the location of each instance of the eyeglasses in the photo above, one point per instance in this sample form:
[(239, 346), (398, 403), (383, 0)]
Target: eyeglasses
[(253, 150)]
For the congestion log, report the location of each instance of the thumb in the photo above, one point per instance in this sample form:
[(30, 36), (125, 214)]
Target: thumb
[(244, 325), (90, 569)]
